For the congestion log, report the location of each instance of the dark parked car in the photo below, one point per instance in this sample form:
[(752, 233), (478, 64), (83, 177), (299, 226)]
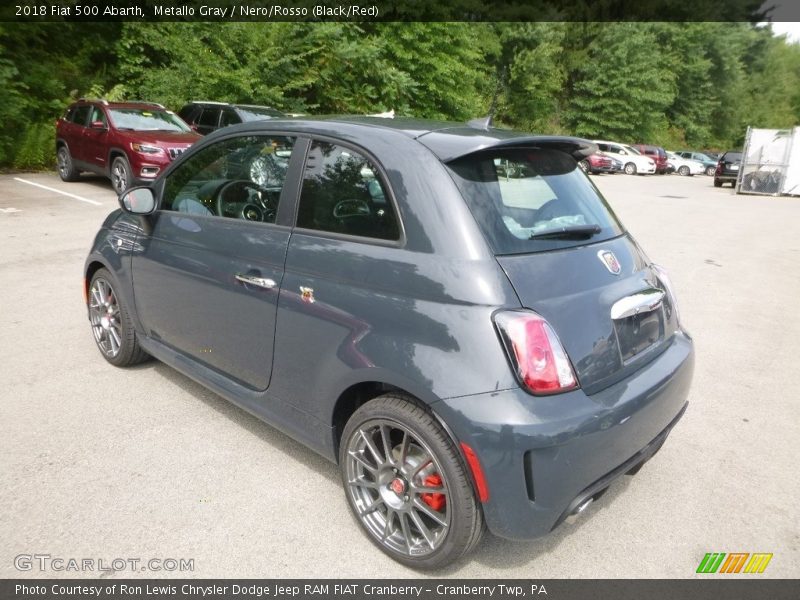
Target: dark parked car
[(204, 116), (728, 168), (709, 162), (453, 315), (657, 153), (128, 142)]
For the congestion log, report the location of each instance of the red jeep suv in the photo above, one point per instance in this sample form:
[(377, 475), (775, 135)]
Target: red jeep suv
[(657, 153), (128, 142)]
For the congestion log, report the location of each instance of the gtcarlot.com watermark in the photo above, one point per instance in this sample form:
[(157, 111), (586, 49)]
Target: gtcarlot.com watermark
[(48, 562)]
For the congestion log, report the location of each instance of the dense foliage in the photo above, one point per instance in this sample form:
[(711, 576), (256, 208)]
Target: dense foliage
[(695, 85)]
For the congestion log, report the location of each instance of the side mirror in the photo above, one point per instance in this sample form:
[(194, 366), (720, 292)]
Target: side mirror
[(138, 201), (98, 125)]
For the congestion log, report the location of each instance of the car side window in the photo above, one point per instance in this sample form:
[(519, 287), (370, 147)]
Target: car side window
[(343, 193), (80, 115), (229, 117), (209, 117), (98, 115), (237, 178)]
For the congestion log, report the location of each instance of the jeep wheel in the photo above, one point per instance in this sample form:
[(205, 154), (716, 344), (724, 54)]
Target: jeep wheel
[(120, 174), (407, 484), (66, 168)]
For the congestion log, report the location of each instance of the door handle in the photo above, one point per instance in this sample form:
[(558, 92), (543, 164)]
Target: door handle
[(263, 282), (645, 301)]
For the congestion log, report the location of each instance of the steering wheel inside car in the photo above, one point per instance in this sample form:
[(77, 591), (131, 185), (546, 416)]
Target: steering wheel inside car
[(242, 199)]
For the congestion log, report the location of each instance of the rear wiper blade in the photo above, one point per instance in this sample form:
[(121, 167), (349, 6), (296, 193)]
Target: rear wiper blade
[(571, 232)]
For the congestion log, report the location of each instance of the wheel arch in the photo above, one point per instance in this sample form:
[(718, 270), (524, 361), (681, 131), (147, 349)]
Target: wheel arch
[(116, 152), (359, 393), (91, 268)]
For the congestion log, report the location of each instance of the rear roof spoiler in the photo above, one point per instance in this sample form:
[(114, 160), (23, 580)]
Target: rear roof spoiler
[(451, 143)]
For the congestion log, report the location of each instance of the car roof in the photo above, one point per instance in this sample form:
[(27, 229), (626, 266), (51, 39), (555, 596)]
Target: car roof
[(130, 104), (447, 140)]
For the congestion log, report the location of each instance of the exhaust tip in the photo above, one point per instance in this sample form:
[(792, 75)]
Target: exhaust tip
[(573, 516)]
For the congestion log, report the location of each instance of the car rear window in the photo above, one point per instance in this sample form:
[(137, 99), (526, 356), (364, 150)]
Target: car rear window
[(519, 193), (733, 156)]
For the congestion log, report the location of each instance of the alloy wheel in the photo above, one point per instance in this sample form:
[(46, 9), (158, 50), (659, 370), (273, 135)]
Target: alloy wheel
[(105, 318), (397, 488), (119, 176), (63, 160)]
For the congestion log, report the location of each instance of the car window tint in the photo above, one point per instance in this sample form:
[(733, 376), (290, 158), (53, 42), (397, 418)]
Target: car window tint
[(209, 117), (229, 117), (80, 115), (342, 193), (517, 195), (237, 178)]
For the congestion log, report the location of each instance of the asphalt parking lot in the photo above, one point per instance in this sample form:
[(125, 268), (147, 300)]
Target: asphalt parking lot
[(102, 463)]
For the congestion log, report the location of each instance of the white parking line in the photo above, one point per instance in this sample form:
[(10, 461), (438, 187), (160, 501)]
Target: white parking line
[(49, 189)]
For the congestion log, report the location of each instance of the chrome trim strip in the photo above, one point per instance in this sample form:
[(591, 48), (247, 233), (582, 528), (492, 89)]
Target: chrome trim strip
[(259, 281), (645, 301)]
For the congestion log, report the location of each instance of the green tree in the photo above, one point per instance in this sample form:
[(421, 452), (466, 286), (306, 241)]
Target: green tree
[(531, 72), (622, 90)]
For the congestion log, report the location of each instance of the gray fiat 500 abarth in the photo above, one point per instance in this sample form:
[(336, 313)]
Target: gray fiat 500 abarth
[(452, 313)]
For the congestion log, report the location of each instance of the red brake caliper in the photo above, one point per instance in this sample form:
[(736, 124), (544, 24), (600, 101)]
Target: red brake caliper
[(435, 501)]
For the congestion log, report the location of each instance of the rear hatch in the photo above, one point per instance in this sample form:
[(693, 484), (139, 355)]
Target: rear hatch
[(730, 163), (569, 259)]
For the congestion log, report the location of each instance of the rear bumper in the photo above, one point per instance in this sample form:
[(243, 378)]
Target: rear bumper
[(543, 457), (727, 176)]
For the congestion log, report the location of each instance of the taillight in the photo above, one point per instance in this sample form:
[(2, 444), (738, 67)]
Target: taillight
[(665, 280), (535, 352)]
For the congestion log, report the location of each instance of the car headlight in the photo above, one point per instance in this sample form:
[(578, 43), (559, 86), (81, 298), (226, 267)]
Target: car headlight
[(146, 149)]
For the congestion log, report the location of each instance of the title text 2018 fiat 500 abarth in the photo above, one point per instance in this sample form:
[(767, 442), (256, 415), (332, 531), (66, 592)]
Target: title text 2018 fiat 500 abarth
[(452, 313)]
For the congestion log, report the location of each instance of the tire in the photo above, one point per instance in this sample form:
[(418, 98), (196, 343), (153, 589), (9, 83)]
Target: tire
[(120, 174), (630, 169), (684, 170), (112, 326), (66, 168), (584, 165), (717, 183), (389, 449), (710, 171)]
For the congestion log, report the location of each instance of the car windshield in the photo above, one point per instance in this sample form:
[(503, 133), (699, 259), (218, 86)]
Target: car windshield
[(632, 150), (532, 200), (140, 119), (258, 113)]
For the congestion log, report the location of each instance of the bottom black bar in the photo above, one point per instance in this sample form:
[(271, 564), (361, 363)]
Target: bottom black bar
[(402, 589)]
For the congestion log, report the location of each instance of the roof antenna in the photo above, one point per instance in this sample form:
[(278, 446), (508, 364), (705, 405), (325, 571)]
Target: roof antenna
[(483, 123)]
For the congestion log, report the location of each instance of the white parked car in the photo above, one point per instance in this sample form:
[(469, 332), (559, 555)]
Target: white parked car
[(634, 162), (684, 166)]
